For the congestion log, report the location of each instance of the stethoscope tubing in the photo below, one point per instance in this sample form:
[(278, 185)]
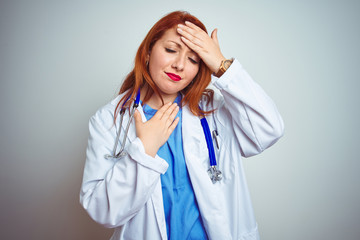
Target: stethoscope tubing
[(209, 142), (126, 132), (123, 142), (215, 174)]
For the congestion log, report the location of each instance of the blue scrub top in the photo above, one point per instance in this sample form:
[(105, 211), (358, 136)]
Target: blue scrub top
[(183, 220)]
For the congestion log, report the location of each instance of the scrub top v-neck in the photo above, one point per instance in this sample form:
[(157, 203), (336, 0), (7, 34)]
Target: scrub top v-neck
[(183, 220)]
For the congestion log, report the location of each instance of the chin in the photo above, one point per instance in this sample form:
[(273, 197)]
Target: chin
[(169, 92)]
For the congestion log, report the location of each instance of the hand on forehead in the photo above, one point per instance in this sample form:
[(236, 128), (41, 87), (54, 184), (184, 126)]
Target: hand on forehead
[(200, 42)]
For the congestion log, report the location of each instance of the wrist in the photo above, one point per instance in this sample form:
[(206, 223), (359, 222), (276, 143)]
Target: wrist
[(151, 153), (149, 148), (224, 65), (218, 64)]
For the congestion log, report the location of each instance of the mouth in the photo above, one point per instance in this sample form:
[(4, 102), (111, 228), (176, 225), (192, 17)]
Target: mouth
[(173, 76)]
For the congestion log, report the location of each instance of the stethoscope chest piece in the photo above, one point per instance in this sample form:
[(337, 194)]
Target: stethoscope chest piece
[(214, 174)]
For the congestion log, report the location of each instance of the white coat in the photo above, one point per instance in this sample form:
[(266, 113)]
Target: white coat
[(126, 194)]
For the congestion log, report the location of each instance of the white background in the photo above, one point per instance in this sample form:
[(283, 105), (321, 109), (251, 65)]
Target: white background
[(62, 60)]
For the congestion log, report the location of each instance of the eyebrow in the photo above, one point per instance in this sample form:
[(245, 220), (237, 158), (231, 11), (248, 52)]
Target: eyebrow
[(180, 46)]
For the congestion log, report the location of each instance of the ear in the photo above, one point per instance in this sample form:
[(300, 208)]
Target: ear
[(147, 59)]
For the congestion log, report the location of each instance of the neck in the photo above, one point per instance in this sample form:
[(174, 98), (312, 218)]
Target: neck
[(155, 101)]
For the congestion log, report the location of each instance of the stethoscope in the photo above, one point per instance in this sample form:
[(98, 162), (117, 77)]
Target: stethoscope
[(121, 153), (214, 174)]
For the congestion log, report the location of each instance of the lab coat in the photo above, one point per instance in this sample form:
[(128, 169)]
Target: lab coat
[(126, 194)]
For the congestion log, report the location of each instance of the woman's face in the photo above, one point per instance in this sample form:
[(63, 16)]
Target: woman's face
[(172, 64)]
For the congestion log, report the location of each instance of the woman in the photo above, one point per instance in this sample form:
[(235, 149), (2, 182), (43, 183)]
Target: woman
[(166, 182)]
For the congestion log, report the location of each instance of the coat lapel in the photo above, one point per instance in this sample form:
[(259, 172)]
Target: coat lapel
[(194, 143)]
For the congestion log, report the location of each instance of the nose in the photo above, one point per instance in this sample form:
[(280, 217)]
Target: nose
[(179, 62)]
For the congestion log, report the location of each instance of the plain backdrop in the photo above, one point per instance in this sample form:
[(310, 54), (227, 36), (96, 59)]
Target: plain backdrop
[(62, 60)]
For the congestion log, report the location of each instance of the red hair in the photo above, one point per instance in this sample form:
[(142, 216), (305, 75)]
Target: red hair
[(140, 76)]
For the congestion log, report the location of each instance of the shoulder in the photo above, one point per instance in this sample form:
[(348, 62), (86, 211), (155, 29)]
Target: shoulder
[(105, 115), (224, 84), (215, 102)]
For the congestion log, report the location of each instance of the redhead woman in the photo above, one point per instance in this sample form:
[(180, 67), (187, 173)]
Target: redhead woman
[(164, 158)]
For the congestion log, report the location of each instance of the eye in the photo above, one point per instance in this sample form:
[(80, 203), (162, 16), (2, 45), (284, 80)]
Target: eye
[(169, 50), (193, 61)]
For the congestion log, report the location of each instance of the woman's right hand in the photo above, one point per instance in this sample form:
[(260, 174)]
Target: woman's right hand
[(155, 132)]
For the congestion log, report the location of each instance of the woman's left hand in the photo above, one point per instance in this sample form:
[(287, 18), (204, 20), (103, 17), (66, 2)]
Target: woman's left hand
[(199, 41)]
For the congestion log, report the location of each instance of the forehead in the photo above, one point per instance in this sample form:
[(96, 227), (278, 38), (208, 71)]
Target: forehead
[(170, 33), (172, 37)]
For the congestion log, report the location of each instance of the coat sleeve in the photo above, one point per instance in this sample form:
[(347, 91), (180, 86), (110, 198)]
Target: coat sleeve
[(245, 109), (114, 190)]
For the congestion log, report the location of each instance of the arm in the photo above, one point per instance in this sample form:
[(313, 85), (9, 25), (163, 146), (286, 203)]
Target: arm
[(244, 107), (114, 190)]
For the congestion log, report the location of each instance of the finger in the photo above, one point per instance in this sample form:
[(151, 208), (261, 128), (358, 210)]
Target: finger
[(191, 45), (193, 26), (196, 32), (193, 30), (172, 116), (174, 112), (214, 36), (190, 37), (173, 126), (168, 112), (162, 110)]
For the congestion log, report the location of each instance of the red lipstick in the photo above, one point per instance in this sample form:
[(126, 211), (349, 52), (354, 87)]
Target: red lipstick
[(174, 77)]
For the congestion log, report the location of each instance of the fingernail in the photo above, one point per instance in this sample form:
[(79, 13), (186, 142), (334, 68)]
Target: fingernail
[(179, 30), (180, 25)]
